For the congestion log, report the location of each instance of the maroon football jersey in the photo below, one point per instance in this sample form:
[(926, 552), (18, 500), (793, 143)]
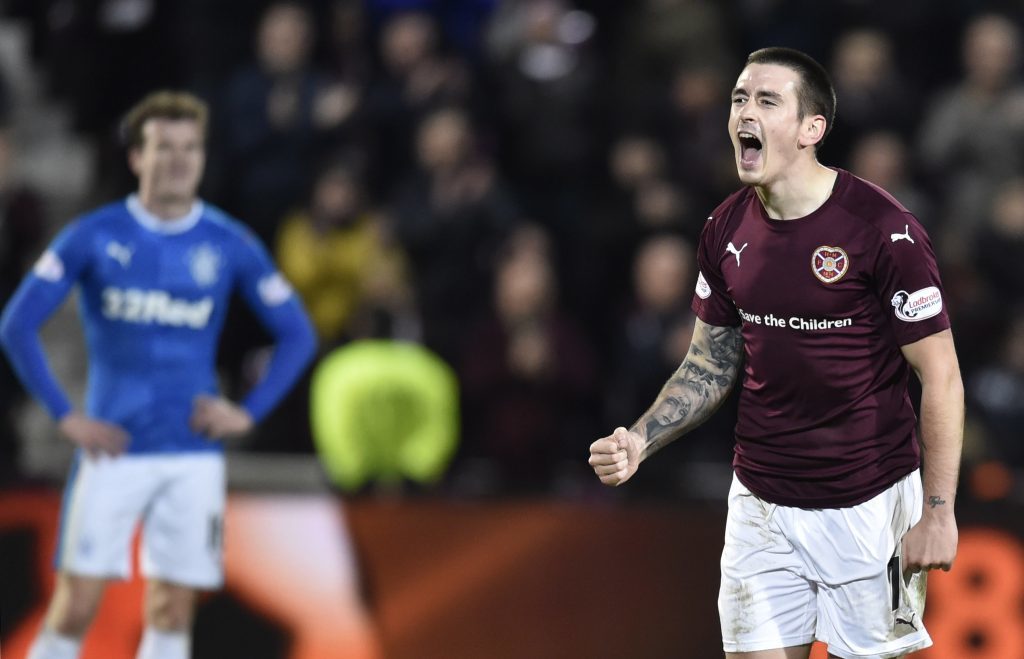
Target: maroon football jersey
[(825, 302)]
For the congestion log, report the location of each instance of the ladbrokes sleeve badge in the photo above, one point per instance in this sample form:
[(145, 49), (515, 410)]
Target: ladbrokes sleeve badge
[(919, 305)]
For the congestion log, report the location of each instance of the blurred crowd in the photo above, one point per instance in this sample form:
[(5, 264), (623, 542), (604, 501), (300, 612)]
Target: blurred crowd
[(519, 184)]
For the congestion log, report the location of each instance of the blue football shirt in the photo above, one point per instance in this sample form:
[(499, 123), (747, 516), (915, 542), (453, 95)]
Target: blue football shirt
[(153, 297)]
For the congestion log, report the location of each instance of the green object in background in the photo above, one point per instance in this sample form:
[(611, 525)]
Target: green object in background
[(383, 411)]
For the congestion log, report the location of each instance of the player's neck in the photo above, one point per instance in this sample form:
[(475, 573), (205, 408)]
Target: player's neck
[(166, 208), (801, 192)]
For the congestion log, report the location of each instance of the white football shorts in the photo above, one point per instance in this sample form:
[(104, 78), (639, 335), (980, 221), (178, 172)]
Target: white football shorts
[(793, 575), (177, 498)]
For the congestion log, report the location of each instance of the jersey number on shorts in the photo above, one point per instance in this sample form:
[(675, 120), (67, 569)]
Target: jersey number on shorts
[(894, 580), (216, 532)]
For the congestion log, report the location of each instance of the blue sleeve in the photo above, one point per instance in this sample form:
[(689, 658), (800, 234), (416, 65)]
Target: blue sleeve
[(272, 300), (38, 296)]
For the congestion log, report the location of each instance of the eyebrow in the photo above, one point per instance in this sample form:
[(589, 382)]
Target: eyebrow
[(761, 93)]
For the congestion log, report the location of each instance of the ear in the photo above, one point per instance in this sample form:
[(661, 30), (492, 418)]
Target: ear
[(812, 130), (134, 160)]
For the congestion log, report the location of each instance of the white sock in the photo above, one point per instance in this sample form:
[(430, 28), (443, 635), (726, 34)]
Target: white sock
[(51, 645), (158, 644)]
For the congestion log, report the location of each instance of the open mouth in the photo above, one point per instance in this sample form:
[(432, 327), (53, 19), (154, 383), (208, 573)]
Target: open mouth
[(750, 149)]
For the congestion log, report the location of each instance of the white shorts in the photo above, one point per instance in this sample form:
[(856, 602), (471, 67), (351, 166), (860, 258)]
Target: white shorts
[(178, 498), (793, 575)]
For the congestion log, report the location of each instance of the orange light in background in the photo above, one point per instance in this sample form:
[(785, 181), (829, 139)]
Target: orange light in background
[(991, 481), (467, 580), (975, 609), (38, 512), (287, 557), (291, 559)]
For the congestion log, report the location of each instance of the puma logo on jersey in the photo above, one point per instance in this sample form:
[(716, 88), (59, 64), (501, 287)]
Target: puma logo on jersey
[(120, 253), (902, 236), (732, 250), (146, 307)]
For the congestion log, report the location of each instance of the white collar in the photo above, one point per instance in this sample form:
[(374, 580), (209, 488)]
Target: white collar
[(158, 225)]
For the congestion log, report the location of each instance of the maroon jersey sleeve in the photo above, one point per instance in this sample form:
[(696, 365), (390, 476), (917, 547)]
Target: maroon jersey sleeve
[(711, 301), (907, 281)]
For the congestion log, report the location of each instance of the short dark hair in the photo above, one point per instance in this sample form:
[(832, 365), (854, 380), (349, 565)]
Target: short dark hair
[(163, 104), (816, 94)]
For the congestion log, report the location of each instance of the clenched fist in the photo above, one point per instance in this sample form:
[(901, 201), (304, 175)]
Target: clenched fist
[(615, 458)]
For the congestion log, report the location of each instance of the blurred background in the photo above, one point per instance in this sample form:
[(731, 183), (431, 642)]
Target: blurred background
[(490, 209)]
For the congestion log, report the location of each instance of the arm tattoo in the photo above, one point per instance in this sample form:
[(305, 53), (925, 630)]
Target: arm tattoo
[(726, 346), (697, 387), (935, 501)]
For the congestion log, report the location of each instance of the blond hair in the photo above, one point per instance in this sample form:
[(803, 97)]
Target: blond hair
[(163, 104)]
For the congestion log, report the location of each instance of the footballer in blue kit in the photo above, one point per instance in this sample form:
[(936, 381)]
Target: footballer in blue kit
[(155, 273)]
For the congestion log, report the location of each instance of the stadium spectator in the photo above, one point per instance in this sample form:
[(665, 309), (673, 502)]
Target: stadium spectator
[(997, 391), (335, 252), (658, 36), (543, 80), (277, 119), (528, 375), (451, 216), (698, 147), (416, 78), (883, 158), (876, 96), (972, 139), (999, 249)]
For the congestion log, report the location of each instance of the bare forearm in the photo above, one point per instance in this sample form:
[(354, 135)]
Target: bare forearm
[(696, 389), (688, 392), (942, 425)]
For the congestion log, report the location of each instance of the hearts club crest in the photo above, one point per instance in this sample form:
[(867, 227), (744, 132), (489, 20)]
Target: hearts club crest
[(829, 264)]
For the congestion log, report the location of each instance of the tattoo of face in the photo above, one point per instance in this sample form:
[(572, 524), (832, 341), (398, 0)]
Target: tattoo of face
[(668, 412), (935, 501), (688, 396)]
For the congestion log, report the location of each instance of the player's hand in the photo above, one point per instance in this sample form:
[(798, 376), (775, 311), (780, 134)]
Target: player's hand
[(615, 458), (930, 544), (94, 436), (218, 418)]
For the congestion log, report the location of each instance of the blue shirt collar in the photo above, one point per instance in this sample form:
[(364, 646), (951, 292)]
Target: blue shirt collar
[(158, 225)]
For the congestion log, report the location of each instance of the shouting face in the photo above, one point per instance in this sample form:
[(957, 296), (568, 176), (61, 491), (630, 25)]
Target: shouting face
[(765, 125)]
